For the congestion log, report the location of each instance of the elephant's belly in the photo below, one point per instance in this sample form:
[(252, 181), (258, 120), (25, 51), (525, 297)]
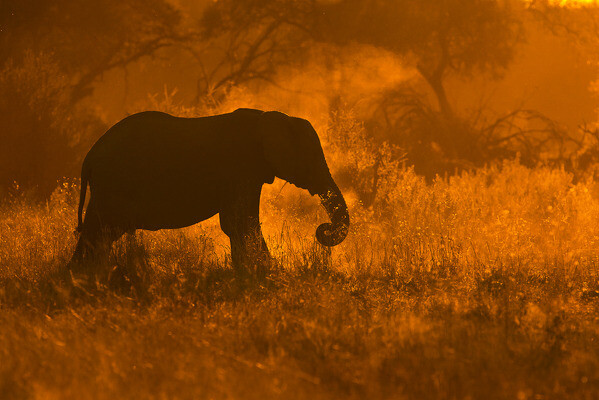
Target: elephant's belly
[(157, 195), (153, 211), (173, 214), (154, 224), (177, 216)]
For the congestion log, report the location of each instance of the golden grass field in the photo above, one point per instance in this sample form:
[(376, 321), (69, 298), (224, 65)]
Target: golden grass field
[(464, 136), (480, 286)]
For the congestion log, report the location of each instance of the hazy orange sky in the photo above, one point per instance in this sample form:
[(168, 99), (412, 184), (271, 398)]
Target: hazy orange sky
[(574, 2)]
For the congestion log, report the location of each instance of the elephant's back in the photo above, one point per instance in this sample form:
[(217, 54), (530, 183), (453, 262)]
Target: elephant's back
[(139, 133), (154, 133)]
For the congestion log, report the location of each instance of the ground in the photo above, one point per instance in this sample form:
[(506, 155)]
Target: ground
[(484, 287)]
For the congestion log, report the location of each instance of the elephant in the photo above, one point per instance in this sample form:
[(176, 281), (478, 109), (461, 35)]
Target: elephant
[(154, 171)]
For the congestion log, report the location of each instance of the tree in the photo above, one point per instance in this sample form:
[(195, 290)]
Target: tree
[(440, 37), (241, 41), (51, 54), (87, 39), (42, 136), (579, 23)]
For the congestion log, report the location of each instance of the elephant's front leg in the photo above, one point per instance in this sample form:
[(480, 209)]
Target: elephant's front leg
[(240, 222)]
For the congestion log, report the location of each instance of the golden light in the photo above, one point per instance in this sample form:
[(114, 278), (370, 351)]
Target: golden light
[(574, 3)]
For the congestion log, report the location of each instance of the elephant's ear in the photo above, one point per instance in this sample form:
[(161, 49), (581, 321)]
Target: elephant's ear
[(278, 143)]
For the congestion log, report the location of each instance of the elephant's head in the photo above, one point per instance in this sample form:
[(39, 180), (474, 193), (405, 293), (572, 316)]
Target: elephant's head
[(293, 152)]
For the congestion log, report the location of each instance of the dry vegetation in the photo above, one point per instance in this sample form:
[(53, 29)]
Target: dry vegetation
[(479, 285), (484, 285)]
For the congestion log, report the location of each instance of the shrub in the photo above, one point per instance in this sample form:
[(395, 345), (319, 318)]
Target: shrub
[(43, 134)]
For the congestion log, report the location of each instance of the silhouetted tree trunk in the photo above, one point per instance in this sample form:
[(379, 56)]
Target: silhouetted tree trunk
[(435, 82)]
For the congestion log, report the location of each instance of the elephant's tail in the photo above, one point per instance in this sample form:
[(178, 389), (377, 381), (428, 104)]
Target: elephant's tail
[(84, 179)]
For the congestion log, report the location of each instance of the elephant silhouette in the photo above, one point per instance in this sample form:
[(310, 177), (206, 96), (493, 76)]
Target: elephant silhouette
[(155, 171)]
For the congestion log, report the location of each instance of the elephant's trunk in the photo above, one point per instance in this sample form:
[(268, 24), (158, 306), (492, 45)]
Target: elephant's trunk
[(333, 233)]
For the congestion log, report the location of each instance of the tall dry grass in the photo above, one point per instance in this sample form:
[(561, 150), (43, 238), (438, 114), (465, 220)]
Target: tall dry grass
[(483, 285)]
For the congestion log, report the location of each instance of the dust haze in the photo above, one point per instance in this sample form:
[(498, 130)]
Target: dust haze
[(463, 135)]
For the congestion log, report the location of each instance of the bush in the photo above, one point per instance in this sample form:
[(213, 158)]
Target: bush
[(358, 162), (43, 134), (439, 144)]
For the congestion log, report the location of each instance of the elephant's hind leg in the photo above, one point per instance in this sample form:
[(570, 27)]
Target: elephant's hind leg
[(93, 247)]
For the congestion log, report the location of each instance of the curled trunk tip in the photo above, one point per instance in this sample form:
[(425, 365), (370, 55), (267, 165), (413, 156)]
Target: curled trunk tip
[(334, 232)]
